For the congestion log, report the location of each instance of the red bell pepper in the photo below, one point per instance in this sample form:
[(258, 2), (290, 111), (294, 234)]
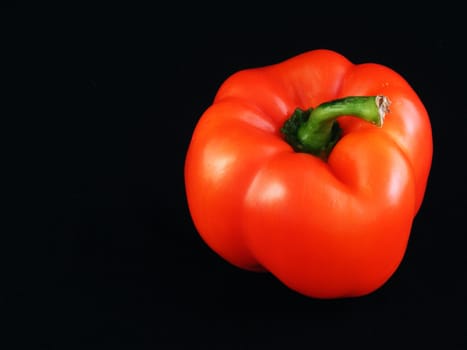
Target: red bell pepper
[(312, 169)]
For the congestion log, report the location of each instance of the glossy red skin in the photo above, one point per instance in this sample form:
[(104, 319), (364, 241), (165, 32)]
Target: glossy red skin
[(325, 229)]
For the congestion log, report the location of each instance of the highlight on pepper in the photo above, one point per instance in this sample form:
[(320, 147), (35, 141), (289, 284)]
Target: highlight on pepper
[(311, 169)]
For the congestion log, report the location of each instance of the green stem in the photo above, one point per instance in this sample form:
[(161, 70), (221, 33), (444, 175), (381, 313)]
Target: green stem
[(316, 131)]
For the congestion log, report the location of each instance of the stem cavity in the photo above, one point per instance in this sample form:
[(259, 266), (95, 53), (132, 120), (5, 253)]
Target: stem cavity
[(316, 131)]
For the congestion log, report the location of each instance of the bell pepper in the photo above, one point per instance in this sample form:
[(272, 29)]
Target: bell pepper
[(311, 169)]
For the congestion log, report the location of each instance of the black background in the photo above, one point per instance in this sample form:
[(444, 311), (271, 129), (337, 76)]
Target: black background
[(99, 109)]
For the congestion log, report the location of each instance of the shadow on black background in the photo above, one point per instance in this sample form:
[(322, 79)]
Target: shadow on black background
[(105, 103)]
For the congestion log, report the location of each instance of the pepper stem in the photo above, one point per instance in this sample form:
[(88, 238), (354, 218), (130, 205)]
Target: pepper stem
[(316, 131)]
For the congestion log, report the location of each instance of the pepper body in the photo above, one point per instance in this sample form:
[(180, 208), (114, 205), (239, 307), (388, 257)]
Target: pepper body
[(326, 228)]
